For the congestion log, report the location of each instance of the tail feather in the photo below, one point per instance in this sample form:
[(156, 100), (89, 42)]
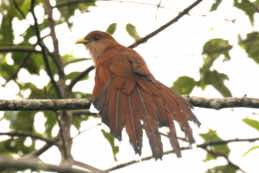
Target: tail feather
[(173, 136), (151, 123), (166, 118), (130, 102), (180, 111), (132, 123)]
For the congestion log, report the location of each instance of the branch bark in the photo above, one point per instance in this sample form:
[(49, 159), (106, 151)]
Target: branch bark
[(11, 164), (166, 25), (73, 104), (202, 146), (24, 134)]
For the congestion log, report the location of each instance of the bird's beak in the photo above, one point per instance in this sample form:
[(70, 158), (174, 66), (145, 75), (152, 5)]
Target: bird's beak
[(82, 41)]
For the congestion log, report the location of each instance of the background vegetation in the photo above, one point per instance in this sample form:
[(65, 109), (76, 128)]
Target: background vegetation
[(28, 51)]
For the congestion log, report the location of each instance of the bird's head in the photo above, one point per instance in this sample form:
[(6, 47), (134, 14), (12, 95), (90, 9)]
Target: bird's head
[(97, 42)]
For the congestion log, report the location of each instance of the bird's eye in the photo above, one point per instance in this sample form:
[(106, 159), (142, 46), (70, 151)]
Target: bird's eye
[(95, 38)]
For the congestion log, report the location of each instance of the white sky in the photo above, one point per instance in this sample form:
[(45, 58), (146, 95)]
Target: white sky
[(172, 53)]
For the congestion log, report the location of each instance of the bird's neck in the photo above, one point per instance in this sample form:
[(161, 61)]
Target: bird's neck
[(97, 49)]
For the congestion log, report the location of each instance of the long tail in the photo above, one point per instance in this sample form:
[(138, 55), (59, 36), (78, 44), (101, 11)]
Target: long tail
[(142, 103)]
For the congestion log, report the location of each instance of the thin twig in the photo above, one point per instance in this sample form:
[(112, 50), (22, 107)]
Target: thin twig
[(163, 27), (84, 112), (223, 142), (76, 60), (44, 50), (122, 165), (68, 3), (21, 164), (231, 163), (66, 118), (23, 63), (56, 59), (87, 167), (14, 48), (79, 77), (43, 149), (25, 134), (18, 9)]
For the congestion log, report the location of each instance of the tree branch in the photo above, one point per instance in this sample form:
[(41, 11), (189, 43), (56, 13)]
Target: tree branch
[(66, 118), (88, 167), (79, 77), (166, 25), (72, 104), (217, 154), (203, 146), (44, 49), (14, 48), (223, 142), (24, 134), (44, 104), (42, 149), (68, 3), (11, 164), (227, 102), (56, 58), (18, 9)]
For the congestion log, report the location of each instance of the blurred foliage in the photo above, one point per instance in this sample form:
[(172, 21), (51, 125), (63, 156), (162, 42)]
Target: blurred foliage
[(218, 151), (132, 31), (255, 125), (215, 5), (111, 28), (33, 63), (251, 44), (184, 85), (248, 7), (252, 123), (111, 139), (222, 169), (214, 50), (212, 135)]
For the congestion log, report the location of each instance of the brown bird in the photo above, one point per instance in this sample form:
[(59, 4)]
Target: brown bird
[(128, 95)]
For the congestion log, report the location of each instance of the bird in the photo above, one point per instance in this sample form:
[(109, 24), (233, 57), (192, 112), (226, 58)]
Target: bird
[(127, 95)]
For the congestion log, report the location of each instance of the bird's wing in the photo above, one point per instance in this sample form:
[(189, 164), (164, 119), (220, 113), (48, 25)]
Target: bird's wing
[(131, 97)]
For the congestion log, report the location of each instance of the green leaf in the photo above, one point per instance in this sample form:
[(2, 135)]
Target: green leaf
[(51, 120), (6, 30), (67, 8), (222, 169), (33, 62), (73, 75), (213, 136), (215, 5), (67, 58), (132, 31), (25, 7), (184, 85), (251, 44), (248, 7), (215, 79), (16, 145), (252, 123), (23, 121), (7, 70), (111, 28), (250, 150), (212, 49), (77, 120), (110, 138), (36, 93)]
